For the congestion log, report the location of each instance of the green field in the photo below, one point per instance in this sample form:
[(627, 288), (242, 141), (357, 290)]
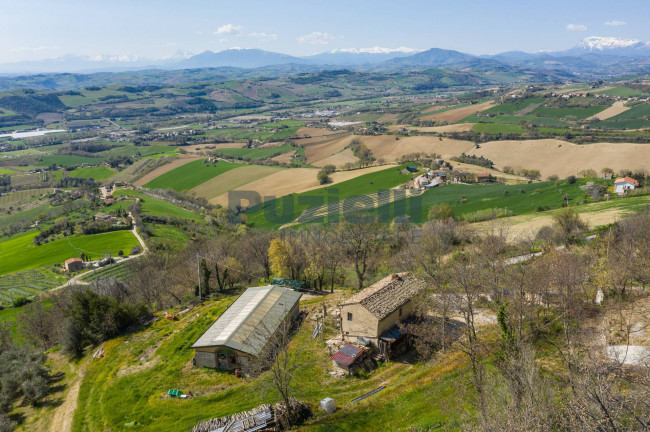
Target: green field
[(481, 197), (143, 150), (636, 117), (255, 153), (19, 253), (361, 185), (621, 91), (495, 128), (514, 106), (156, 207), (560, 113), (98, 173), (27, 283), (190, 175), (67, 160)]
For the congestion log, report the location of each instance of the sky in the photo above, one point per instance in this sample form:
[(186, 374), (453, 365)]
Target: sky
[(158, 29)]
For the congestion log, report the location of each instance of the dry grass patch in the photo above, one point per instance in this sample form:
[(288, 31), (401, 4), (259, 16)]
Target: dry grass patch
[(315, 132), (458, 114), (617, 108), (233, 179), (551, 156), (293, 180), (525, 227), (385, 147), (461, 127)]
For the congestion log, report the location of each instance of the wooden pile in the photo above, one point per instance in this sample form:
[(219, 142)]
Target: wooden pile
[(255, 419), (262, 418)]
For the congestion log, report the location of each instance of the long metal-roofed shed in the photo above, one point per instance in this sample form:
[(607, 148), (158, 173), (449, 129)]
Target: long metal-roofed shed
[(244, 329)]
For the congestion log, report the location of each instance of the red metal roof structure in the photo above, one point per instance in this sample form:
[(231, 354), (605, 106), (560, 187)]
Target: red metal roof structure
[(347, 355), (628, 180)]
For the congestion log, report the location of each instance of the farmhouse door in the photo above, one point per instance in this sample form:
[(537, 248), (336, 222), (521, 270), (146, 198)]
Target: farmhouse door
[(222, 359)]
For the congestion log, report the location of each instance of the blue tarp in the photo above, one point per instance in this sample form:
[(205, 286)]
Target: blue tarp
[(392, 334)]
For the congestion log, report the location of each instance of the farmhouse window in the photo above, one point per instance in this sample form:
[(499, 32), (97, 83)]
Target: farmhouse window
[(349, 316), (400, 311)]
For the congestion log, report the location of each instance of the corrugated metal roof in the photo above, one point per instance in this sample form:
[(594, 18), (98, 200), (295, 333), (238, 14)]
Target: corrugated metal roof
[(347, 355), (247, 324)]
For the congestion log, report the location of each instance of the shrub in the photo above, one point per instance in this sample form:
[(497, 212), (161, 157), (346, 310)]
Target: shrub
[(571, 179), (20, 301), (323, 177), (486, 215), (441, 212)]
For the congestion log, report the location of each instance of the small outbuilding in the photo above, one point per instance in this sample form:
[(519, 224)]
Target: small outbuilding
[(349, 358), (74, 264), (243, 331)]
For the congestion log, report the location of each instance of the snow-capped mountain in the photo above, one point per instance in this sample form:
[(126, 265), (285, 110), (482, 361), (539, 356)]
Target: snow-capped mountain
[(599, 43), (612, 46)]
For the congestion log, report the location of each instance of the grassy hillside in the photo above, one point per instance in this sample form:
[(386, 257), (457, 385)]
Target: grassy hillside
[(98, 173), (517, 199), (157, 207), (362, 185), (190, 175), (20, 253), (127, 388)]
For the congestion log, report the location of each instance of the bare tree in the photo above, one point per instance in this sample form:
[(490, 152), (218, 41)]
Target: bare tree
[(38, 325), (464, 277), (362, 247), (282, 364)]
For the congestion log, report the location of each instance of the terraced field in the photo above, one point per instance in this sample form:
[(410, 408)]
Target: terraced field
[(118, 271), (27, 284)]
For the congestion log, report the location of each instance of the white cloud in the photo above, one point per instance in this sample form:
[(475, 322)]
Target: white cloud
[(376, 50), (615, 23), (229, 29), (263, 37), (316, 38), (222, 40), (33, 50), (576, 27)]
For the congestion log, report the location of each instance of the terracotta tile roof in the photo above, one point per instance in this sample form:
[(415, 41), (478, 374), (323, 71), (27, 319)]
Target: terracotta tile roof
[(71, 260), (627, 179), (389, 294)]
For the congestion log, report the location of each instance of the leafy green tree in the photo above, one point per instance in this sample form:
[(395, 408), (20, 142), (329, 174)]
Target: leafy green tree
[(323, 177)]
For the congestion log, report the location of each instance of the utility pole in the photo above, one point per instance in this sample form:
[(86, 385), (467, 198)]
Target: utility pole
[(198, 271)]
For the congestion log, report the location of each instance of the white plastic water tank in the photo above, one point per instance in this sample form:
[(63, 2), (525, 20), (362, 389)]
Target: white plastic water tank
[(328, 405)]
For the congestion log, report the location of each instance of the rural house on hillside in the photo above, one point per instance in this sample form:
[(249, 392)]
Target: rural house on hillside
[(242, 332), (371, 316), (624, 184), (74, 264)]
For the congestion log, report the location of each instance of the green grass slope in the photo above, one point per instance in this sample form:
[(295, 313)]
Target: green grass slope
[(122, 392), (190, 175), (20, 253)]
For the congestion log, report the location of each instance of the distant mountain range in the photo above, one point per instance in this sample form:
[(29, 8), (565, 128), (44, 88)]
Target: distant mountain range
[(592, 56)]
